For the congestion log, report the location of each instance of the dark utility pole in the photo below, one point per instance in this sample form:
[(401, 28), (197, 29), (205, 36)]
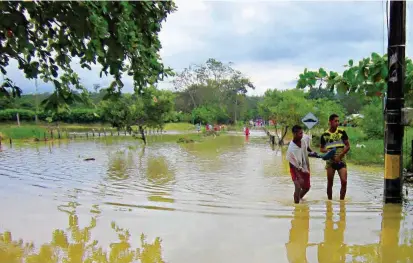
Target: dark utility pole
[(393, 162)]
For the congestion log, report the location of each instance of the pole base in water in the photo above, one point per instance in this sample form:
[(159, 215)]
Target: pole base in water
[(392, 191)]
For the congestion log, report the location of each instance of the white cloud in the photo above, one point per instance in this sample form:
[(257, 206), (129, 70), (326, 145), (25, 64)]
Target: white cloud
[(270, 41), (270, 75)]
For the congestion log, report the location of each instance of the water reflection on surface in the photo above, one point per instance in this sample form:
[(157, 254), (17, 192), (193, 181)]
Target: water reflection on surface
[(76, 245), (225, 199)]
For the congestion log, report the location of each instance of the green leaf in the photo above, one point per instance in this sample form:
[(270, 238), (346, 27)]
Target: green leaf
[(376, 57), (342, 88), (350, 62), (384, 71), (322, 73)]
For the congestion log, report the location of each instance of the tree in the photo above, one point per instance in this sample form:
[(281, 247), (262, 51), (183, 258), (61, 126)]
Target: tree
[(214, 85), (148, 109), (373, 118), (45, 38), (323, 108), (287, 108), (367, 78)]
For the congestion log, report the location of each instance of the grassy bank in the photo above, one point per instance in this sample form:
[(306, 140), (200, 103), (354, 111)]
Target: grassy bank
[(31, 130)]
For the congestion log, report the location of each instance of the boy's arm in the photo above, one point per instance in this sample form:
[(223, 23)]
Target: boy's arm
[(346, 142), (323, 144), (296, 170)]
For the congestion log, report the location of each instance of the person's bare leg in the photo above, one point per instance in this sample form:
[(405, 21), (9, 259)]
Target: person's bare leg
[(297, 191), (343, 179), (330, 181), (303, 192)]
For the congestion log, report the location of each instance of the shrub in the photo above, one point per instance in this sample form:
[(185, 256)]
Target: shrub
[(372, 123), (11, 115)]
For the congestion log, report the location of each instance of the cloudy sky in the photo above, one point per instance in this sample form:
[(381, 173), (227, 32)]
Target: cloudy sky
[(269, 41)]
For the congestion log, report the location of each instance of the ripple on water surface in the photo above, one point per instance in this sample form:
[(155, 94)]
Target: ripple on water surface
[(225, 199)]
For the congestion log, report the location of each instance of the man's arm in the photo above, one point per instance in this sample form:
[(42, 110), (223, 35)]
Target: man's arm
[(346, 142), (297, 171), (323, 145)]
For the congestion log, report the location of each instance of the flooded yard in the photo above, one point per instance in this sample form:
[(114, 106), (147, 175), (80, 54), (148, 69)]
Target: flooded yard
[(226, 199)]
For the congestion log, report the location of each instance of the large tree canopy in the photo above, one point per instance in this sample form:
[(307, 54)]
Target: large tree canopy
[(367, 77), (213, 86), (44, 38)]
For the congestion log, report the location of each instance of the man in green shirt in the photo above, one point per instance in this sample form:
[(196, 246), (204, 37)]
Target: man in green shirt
[(336, 138)]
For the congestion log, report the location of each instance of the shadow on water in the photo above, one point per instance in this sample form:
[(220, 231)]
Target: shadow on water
[(76, 245), (395, 245)]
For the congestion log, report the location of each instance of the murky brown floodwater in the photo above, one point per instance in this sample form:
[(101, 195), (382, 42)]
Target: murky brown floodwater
[(223, 200)]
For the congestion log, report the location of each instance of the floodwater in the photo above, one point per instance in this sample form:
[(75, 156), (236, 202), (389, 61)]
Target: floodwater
[(226, 199)]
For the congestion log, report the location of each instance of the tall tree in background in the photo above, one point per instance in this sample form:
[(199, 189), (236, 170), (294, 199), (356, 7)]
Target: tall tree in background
[(46, 38), (213, 86)]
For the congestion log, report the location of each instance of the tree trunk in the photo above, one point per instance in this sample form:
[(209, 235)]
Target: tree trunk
[(18, 119), (141, 130), (235, 112), (281, 142)]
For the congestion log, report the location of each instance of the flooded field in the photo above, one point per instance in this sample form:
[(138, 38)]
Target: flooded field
[(226, 199)]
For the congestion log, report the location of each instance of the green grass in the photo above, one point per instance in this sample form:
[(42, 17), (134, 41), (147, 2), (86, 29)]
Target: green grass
[(180, 126), (22, 132)]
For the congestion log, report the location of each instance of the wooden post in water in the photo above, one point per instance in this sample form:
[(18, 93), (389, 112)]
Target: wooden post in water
[(87, 135), (51, 133), (11, 142), (394, 132)]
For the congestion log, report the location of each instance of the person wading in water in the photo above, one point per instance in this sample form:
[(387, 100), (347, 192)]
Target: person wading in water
[(297, 156), (335, 138)]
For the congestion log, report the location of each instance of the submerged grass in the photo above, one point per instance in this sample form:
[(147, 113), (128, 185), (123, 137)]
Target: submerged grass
[(22, 132)]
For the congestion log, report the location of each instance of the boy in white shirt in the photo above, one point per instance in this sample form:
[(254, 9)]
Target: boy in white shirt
[(297, 156)]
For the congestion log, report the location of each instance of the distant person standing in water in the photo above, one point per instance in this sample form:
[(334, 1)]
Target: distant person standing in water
[(335, 138), (297, 156), (247, 131)]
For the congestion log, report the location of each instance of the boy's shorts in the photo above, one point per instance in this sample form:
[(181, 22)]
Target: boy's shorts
[(304, 176)]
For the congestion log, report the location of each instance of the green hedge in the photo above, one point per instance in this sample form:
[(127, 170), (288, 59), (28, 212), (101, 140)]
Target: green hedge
[(74, 116), (11, 115)]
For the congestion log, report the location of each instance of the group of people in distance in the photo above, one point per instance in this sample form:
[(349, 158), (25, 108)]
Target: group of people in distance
[(334, 145)]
